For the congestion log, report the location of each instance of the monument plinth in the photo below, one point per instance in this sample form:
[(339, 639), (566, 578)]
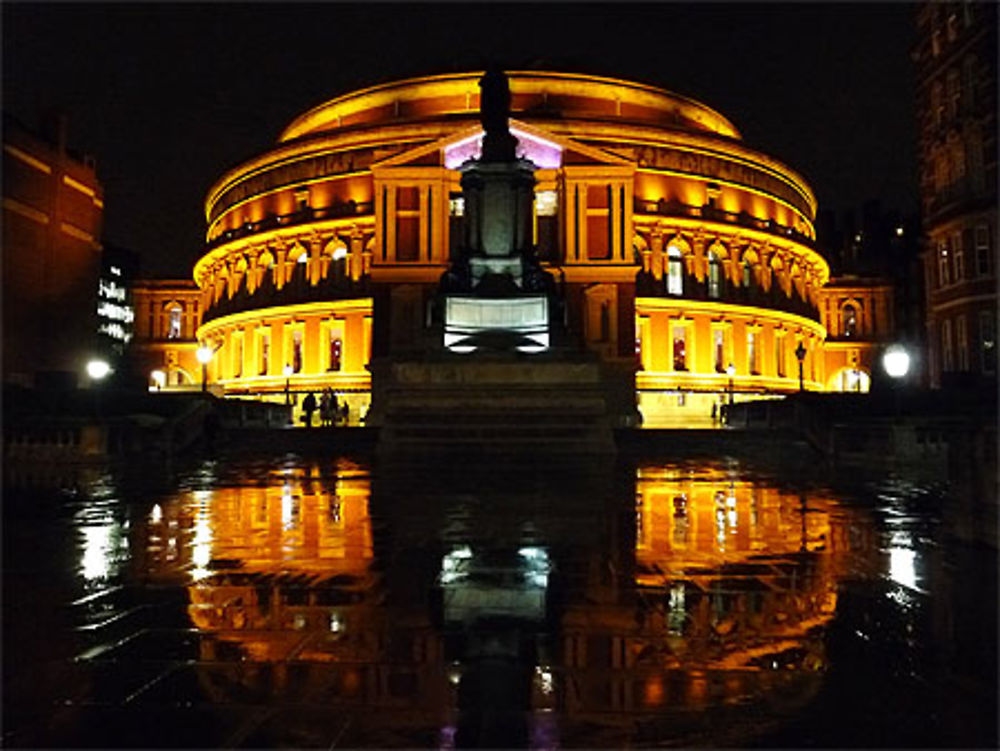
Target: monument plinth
[(494, 383)]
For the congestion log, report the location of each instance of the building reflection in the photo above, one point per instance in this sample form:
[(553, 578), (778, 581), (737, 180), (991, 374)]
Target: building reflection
[(608, 620)]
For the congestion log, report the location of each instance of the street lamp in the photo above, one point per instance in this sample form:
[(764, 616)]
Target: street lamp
[(98, 370), (288, 378), (731, 371), (204, 355), (896, 361), (800, 355)]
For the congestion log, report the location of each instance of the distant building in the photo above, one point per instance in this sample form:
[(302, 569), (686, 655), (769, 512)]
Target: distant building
[(53, 210), (955, 61), (881, 248), (680, 250), (115, 309)]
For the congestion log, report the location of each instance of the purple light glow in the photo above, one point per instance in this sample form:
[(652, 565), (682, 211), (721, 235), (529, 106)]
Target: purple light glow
[(543, 154)]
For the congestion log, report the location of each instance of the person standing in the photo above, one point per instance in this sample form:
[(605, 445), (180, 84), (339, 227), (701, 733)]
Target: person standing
[(324, 408), (308, 407)]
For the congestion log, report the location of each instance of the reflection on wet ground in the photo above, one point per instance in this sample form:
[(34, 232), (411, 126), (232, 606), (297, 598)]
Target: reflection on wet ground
[(304, 602)]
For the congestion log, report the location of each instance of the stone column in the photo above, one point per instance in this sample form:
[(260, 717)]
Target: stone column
[(355, 255), (279, 251), (656, 252), (315, 269)]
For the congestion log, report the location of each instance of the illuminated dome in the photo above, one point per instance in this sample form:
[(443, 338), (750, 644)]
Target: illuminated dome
[(680, 249)]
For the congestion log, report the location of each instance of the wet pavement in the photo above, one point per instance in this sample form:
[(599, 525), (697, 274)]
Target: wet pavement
[(320, 602)]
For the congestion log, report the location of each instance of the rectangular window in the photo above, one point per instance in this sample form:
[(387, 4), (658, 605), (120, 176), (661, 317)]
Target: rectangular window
[(984, 256), (962, 343), (959, 253), (753, 352), (297, 351), (779, 355), (719, 350), (952, 85), (947, 353), (680, 348), (238, 355), (944, 277), (988, 341), (335, 349), (174, 325), (264, 351)]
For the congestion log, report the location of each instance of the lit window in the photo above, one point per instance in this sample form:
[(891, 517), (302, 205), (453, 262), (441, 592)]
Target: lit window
[(680, 348), (714, 275), (944, 276), (264, 349), (174, 322), (850, 318), (753, 352), (237, 355), (297, 351), (335, 351), (719, 350), (747, 274), (456, 206), (675, 276), (546, 203)]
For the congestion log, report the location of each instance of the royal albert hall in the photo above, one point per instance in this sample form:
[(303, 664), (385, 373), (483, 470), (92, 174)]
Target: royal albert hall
[(681, 252)]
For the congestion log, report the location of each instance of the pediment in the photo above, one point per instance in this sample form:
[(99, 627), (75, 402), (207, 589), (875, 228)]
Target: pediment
[(547, 150)]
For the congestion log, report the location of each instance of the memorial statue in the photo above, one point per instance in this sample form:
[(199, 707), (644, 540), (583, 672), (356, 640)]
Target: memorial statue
[(494, 110)]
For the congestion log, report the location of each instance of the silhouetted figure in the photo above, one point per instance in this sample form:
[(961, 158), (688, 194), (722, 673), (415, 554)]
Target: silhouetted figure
[(308, 407), (325, 402), (494, 110)]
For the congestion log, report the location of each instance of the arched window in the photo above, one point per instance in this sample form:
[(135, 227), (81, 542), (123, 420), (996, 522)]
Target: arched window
[(747, 274), (675, 271), (339, 266), (850, 319), (714, 275), (174, 319)]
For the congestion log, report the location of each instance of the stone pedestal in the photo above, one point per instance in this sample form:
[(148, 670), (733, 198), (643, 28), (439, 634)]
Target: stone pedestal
[(499, 403)]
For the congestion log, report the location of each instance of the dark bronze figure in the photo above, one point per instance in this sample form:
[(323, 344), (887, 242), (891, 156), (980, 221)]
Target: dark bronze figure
[(494, 110)]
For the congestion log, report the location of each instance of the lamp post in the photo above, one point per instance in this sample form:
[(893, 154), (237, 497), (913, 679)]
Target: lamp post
[(896, 363), (204, 355), (800, 355), (288, 378), (97, 371)]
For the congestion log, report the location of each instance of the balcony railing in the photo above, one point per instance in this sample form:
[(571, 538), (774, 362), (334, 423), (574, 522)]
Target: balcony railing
[(712, 214), (754, 295), (297, 291), (302, 216)]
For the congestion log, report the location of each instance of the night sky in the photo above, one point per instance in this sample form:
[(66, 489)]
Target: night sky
[(167, 97)]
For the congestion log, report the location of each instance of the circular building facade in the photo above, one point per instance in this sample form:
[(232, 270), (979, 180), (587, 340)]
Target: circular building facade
[(681, 251)]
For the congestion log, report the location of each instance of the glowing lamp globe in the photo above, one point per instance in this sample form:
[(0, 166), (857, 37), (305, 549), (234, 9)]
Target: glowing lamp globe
[(98, 369), (204, 354), (896, 361)]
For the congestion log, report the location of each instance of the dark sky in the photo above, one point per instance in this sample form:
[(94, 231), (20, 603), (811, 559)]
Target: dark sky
[(168, 96)]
